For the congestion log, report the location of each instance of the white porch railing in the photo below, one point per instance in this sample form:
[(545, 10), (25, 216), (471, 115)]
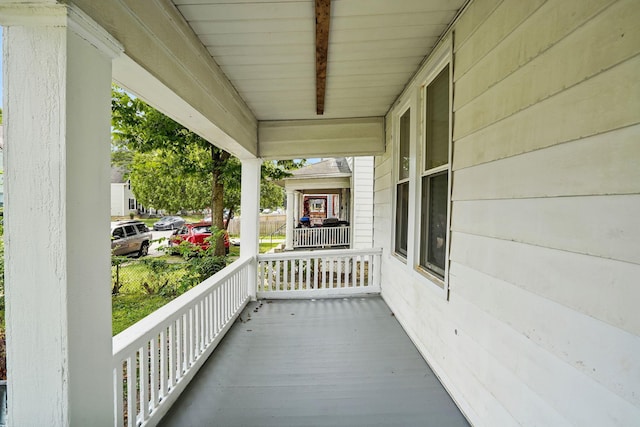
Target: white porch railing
[(315, 274), (155, 359), (321, 237)]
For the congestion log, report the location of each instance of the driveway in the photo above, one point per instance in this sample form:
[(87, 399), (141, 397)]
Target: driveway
[(154, 249)]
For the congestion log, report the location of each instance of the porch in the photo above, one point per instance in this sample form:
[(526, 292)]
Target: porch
[(320, 362)]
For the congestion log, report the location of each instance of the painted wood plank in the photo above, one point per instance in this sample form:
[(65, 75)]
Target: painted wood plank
[(243, 59), (473, 17), (383, 7), (333, 381), (241, 26), (605, 102), (493, 30), (596, 349), (602, 288), (561, 66), (434, 19), (435, 337), (605, 226), (598, 165), (427, 34), (243, 11), (258, 39), (333, 136), (550, 24)]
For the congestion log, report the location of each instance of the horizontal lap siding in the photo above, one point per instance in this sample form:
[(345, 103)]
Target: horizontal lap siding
[(541, 325)]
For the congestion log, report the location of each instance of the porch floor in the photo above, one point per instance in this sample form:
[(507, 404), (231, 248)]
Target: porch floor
[(331, 362)]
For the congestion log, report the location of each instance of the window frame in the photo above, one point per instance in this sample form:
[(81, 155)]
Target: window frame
[(406, 108), (423, 172)]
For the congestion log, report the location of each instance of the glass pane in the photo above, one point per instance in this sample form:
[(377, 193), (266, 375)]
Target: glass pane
[(437, 121), (402, 218), (405, 133), (433, 230)]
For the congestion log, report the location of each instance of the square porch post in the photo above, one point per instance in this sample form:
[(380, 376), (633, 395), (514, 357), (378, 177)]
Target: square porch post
[(291, 194), (57, 91), (250, 217)]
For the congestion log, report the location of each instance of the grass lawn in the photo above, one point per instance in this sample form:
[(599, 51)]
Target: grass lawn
[(127, 309)]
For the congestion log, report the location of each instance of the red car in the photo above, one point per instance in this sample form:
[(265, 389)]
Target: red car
[(196, 234)]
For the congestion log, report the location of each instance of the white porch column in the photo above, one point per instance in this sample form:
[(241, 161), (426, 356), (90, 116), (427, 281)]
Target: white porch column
[(250, 216), (57, 91), (290, 219)]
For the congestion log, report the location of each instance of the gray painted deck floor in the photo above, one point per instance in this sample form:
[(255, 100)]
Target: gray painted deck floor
[(333, 362)]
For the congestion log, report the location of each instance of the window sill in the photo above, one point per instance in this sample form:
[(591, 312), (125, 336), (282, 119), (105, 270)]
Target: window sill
[(440, 283)]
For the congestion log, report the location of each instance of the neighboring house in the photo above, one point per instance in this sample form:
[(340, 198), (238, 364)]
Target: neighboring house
[(340, 188), (122, 199), (505, 137)]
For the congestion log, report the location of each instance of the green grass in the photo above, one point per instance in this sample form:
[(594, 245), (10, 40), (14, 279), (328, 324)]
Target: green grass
[(266, 246), (127, 309)]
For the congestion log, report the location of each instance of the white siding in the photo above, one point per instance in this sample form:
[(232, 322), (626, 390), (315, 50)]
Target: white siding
[(120, 195), (540, 326), (362, 223)]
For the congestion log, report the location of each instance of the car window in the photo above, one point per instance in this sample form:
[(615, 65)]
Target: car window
[(202, 229), (118, 233), (130, 230), (183, 230), (142, 228)]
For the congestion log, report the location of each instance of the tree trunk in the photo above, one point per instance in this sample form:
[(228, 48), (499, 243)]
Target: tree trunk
[(219, 158)]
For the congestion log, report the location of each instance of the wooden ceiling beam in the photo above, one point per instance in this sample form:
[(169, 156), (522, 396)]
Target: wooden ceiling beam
[(323, 17)]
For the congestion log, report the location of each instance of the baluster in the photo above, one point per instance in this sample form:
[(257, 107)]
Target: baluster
[(132, 412), (172, 355), (153, 373), (331, 268), (316, 283), (339, 283), (278, 275), (163, 364), (308, 274), (144, 381), (118, 384), (190, 336)]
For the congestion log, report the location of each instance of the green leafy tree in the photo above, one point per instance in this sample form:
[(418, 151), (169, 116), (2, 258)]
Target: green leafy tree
[(173, 168)]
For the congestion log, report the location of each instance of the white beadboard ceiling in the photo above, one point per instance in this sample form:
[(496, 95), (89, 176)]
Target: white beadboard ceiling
[(267, 50)]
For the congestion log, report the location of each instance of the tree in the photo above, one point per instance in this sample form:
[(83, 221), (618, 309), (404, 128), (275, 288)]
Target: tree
[(173, 168)]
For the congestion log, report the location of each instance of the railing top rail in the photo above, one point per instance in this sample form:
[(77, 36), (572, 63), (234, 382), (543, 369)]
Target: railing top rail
[(124, 341), (319, 254), (319, 229)]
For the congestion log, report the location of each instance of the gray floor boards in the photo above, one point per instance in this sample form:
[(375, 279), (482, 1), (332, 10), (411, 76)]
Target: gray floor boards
[(334, 362)]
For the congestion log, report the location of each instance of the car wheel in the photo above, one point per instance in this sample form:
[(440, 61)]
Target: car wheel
[(144, 249)]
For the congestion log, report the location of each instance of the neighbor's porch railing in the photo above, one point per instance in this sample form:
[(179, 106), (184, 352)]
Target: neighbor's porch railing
[(155, 359), (321, 237), (314, 274)]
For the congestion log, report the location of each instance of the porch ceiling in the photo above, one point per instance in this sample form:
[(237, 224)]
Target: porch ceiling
[(266, 48)]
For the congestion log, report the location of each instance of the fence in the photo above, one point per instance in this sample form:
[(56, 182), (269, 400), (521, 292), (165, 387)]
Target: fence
[(318, 273), (154, 360), (146, 274), (268, 224)]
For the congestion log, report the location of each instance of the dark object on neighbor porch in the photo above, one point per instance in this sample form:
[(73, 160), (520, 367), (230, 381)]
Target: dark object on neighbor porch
[(334, 222)]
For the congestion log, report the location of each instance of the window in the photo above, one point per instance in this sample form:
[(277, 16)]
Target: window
[(130, 230), (435, 176), (132, 203), (402, 186)]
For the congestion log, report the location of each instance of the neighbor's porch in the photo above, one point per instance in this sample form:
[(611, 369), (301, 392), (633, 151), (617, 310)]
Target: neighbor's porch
[(299, 360)]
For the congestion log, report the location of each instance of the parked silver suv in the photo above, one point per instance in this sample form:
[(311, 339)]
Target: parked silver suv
[(129, 237)]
